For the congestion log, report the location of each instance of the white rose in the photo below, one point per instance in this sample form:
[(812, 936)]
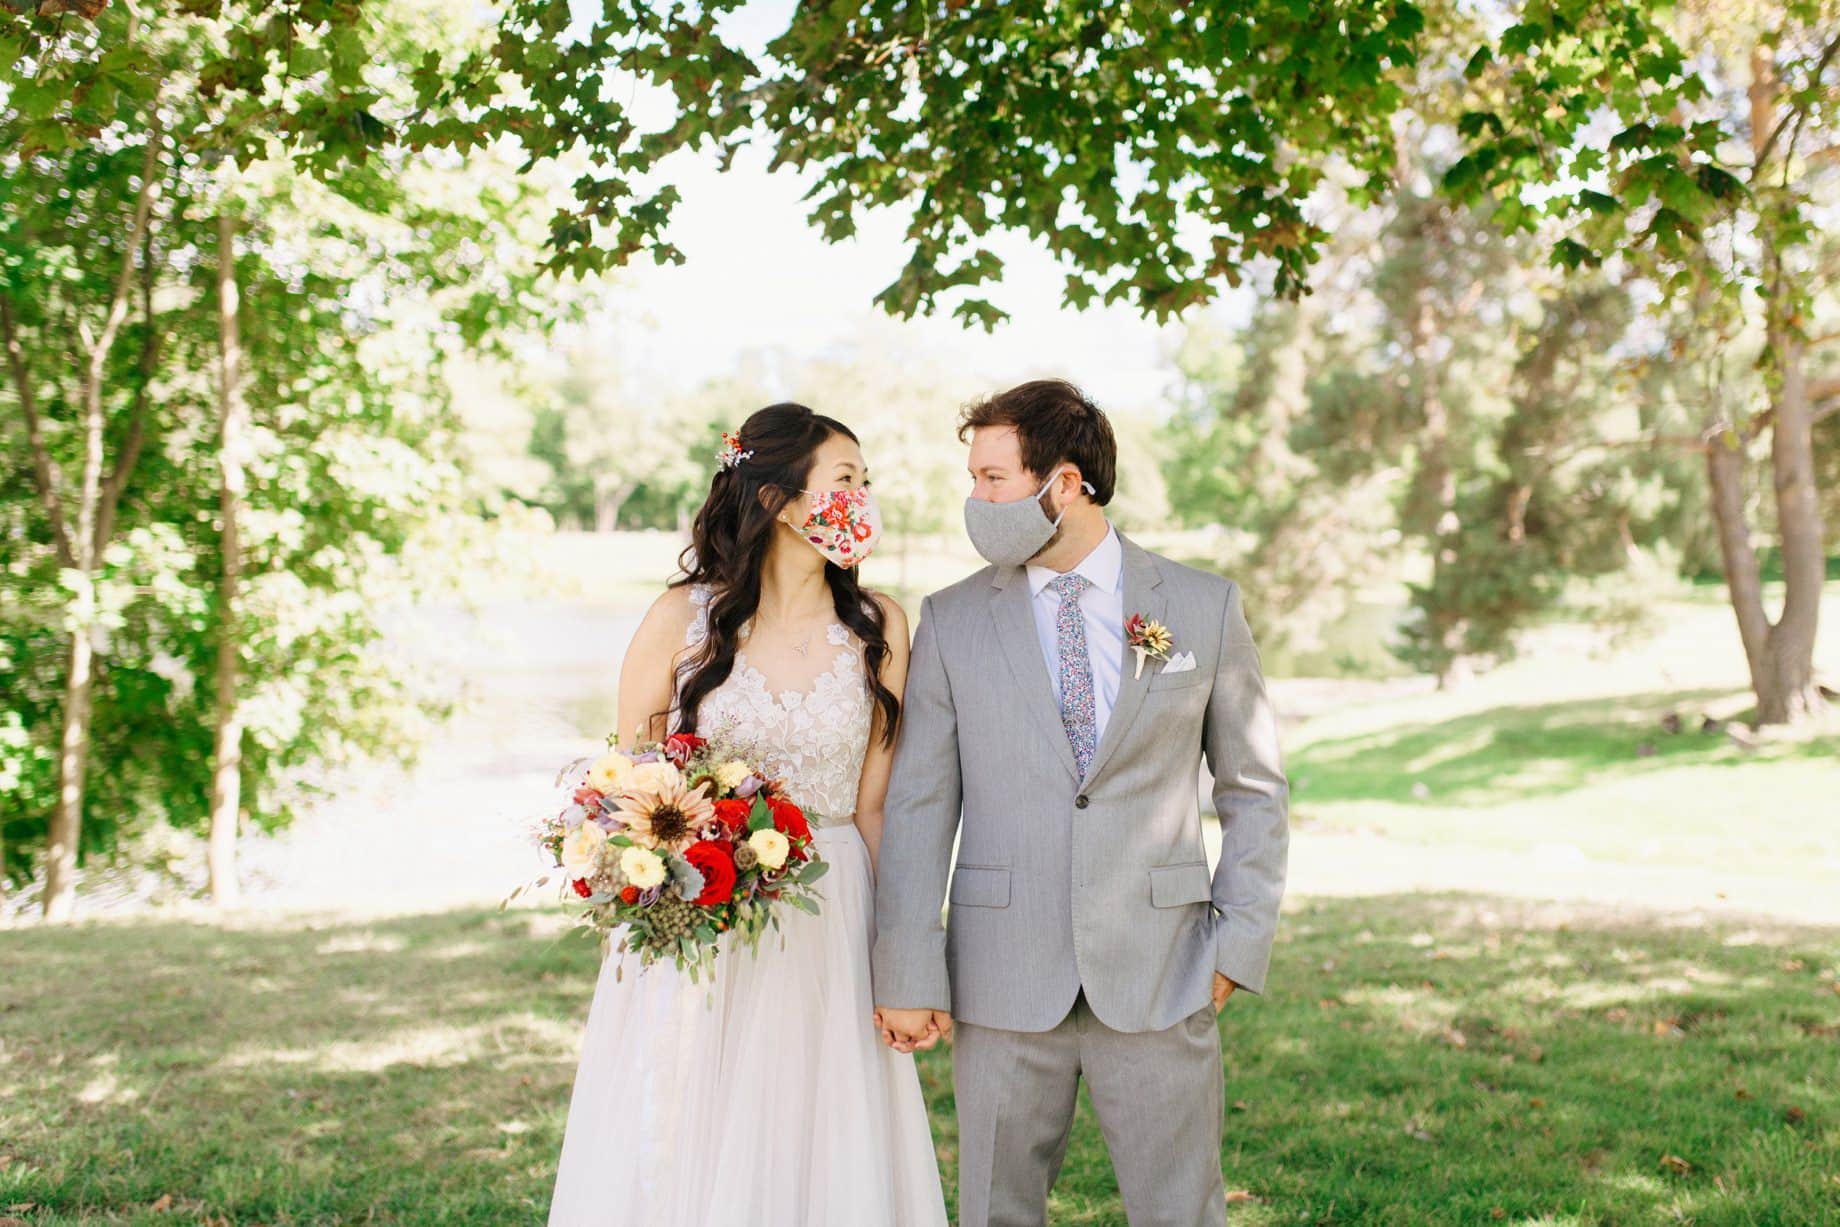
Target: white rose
[(652, 778), (609, 773), (770, 846), (642, 867), (581, 849)]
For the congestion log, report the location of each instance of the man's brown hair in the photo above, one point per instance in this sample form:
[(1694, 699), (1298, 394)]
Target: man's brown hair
[(1055, 424)]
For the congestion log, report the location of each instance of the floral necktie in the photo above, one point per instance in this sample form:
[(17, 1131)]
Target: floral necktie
[(1078, 712)]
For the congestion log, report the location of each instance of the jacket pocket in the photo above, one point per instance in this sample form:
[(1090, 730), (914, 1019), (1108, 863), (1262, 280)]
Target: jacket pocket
[(1179, 681), (980, 886), (1176, 885)]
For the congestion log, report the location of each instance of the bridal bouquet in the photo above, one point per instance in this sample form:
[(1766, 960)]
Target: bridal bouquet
[(676, 844)]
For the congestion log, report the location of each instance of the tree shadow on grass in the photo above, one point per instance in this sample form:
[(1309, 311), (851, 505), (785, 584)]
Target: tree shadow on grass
[(1458, 1060), (1415, 1060), (402, 1070), (1517, 752)]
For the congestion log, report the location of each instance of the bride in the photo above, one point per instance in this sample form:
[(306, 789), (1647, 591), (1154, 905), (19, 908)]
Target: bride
[(764, 1098)]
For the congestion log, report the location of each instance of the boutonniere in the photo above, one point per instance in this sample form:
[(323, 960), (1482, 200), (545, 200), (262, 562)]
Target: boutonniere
[(1150, 640)]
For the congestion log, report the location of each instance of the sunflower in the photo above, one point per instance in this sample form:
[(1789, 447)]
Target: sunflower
[(668, 817)]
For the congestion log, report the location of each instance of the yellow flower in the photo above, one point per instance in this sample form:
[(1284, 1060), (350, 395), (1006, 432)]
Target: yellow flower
[(730, 774), (642, 867), (1157, 638), (770, 846), (581, 849), (609, 773)]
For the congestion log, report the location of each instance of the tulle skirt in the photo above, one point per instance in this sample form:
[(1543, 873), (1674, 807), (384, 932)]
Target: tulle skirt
[(761, 1097)]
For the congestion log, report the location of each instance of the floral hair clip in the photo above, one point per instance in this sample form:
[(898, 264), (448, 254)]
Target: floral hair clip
[(731, 454)]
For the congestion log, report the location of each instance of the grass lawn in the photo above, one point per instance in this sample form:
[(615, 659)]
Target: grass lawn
[(1419, 1060), (1600, 774)]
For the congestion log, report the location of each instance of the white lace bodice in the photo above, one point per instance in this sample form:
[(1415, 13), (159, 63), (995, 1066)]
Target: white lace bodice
[(814, 740)]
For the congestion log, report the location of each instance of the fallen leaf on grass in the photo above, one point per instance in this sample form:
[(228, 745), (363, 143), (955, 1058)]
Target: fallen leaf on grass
[(1668, 1028), (163, 1204), (1675, 1164), (1237, 1197), (1416, 1130), (14, 1222), (1794, 1115)]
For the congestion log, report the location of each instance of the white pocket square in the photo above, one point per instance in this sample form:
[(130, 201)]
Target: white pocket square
[(1181, 662)]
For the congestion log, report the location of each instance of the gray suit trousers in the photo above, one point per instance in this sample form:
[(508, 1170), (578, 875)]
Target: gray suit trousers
[(1160, 1097)]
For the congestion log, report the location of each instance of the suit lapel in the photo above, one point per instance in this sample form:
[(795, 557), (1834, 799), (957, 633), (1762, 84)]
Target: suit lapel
[(1011, 610), (1142, 594)]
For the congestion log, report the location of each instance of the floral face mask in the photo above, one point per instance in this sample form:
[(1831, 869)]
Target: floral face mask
[(842, 525)]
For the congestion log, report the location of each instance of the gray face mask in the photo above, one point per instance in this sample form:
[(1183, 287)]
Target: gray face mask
[(1009, 534)]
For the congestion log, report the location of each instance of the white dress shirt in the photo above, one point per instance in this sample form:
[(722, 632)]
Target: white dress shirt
[(1103, 608)]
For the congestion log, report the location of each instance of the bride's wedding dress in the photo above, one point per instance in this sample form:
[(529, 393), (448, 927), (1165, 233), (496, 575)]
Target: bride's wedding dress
[(763, 1097)]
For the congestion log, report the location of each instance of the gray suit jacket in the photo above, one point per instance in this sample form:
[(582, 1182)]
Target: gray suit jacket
[(1063, 883)]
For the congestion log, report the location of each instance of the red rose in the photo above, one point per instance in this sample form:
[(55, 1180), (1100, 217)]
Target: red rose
[(717, 865), (678, 747), (581, 887), (789, 820), (733, 814), (629, 894)]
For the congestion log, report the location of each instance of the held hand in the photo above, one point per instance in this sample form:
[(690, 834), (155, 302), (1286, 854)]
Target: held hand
[(1223, 989), (911, 1030)]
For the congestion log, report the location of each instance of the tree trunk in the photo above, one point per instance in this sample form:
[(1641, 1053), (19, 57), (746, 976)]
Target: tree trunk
[(1781, 656), (82, 541), (1438, 476), (1793, 693), (609, 499), (1743, 577), (60, 899), (227, 748)]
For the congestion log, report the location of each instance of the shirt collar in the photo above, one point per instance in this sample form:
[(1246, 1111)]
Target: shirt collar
[(1104, 566)]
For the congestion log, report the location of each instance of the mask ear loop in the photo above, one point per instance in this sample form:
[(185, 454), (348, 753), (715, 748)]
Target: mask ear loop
[(1084, 485)]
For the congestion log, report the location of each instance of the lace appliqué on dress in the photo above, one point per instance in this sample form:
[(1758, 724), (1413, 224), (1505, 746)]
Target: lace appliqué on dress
[(814, 740)]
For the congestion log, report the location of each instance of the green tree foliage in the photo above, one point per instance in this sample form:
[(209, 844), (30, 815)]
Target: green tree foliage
[(1160, 151), (359, 265), (1708, 175)]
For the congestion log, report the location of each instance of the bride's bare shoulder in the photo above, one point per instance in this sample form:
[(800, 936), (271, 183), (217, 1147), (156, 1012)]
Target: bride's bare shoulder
[(894, 617), (668, 620)]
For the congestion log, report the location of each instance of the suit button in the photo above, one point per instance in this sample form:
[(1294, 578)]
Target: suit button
[(1080, 802)]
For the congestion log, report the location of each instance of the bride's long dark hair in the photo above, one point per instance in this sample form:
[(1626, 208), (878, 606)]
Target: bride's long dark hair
[(728, 544)]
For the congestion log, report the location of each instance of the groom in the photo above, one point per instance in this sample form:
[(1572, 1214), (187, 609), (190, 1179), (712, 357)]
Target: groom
[(1087, 938)]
